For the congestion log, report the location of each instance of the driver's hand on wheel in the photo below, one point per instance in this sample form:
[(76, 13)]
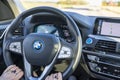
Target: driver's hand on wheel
[(57, 76), (12, 73)]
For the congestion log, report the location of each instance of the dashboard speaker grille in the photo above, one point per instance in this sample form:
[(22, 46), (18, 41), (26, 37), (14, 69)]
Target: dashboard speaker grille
[(107, 46)]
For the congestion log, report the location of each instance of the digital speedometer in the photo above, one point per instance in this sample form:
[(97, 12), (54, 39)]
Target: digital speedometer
[(58, 30), (47, 28)]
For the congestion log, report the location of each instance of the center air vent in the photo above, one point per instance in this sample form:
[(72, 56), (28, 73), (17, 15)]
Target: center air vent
[(107, 46)]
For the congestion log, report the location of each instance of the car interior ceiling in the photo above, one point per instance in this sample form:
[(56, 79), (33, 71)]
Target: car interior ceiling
[(4, 10)]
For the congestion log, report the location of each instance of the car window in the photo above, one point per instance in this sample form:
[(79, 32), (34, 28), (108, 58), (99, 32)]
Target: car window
[(108, 8), (5, 11)]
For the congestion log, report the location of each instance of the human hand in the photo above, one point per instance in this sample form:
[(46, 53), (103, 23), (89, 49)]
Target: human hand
[(57, 76), (12, 73)]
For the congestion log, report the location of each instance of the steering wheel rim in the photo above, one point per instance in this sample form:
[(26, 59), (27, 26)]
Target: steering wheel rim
[(71, 25)]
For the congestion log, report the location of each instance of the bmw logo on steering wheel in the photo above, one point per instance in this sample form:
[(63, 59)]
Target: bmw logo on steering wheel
[(37, 45)]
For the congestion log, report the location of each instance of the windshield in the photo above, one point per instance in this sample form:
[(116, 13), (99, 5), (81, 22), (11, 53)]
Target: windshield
[(107, 8)]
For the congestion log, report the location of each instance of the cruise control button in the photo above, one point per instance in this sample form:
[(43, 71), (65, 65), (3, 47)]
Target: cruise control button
[(15, 47), (64, 53)]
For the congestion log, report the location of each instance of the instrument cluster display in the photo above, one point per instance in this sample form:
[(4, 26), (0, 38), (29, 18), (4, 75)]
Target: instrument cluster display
[(47, 28), (60, 31)]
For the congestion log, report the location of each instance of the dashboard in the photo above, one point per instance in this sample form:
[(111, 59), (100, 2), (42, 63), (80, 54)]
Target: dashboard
[(102, 49), (100, 36)]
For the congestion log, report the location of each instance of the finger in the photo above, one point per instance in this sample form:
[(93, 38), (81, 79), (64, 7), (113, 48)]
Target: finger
[(51, 77), (9, 68), (17, 71), (19, 75), (55, 76), (59, 76), (47, 78), (14, 69)]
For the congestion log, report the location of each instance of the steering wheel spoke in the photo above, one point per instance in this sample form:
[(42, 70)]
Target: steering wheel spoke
[(27, 67), (66, 51), (15, 45)]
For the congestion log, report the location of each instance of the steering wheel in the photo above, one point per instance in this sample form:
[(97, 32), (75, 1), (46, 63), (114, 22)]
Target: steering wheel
[(42, 49)]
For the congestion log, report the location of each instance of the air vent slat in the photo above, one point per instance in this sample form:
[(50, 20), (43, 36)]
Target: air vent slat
[(107, 46)]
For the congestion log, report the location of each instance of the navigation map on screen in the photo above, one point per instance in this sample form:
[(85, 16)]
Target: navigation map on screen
[(110, 28)]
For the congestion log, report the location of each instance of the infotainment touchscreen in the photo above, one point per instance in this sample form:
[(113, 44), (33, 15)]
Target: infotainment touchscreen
[(110, 28)]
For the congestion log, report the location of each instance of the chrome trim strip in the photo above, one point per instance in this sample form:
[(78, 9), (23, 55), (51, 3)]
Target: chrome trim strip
[(27, 67), (107, 38)]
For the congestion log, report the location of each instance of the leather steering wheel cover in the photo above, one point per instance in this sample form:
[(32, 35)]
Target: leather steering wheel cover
[(72, 27)]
